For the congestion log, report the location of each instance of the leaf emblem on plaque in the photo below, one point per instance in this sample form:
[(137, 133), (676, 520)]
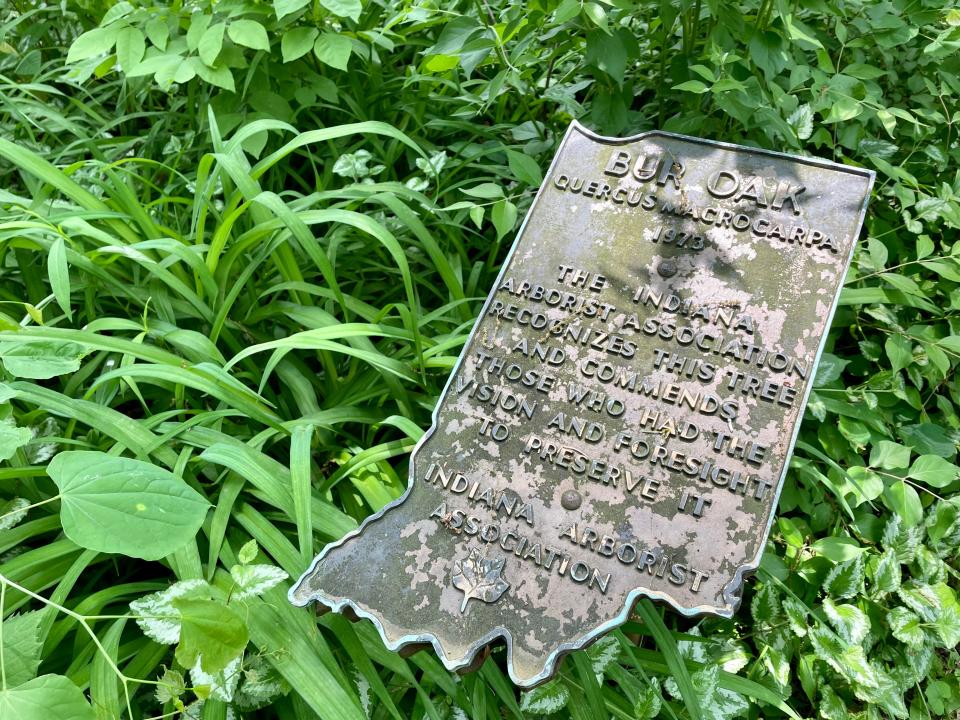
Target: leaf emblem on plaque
[(479, 578), (621, 418)]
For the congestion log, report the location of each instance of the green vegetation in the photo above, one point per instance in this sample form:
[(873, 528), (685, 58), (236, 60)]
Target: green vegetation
[(241, 245)]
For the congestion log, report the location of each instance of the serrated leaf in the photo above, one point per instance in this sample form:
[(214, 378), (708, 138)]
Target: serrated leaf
[(43, 698), (21, 647), (156, 614), (801, 120), (255, 579), (649, 701), (546, 699), (479, 577), (886, 575), (603, 653), (849, 621), (210, 633), (846, 579), (120, 505), (221, 685), (796, 615), (249, 33)]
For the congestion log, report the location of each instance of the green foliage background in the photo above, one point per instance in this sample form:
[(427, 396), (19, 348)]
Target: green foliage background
[(241, 245)]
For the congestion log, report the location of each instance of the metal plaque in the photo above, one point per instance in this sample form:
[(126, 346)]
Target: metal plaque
[(622, 416)]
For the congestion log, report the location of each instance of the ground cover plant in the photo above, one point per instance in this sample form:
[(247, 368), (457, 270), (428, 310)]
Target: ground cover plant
[(241, 246)]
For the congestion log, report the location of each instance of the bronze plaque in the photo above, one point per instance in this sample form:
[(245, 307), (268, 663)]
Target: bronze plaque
[(622, 416)]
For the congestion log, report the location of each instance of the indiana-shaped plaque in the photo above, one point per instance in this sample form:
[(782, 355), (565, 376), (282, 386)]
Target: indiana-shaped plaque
[(622, 416)]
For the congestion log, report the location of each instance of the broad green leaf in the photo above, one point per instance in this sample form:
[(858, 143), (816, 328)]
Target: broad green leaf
[(45, 698), (933, 470), (344, 8), (119, 505), (693, 86), (286, 7), (899, 351), (91, 43), (210, 632), (12, 438), (211, 42), (248, 33), (889, 455), (41, 359), (504, 217), (904, 501), (297, 42), (333, 49), (524, 168), (838, 549), (131, 44), (486, 191), (21, 647)]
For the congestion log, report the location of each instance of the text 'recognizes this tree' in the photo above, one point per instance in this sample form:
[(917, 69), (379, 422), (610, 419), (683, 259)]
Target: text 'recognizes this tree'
[(241, 246)]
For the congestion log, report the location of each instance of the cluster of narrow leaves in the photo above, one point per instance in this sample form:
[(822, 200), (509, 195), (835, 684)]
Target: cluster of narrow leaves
[(241, 246)]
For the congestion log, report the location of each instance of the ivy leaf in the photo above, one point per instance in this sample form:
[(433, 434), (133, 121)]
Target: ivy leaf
[(210, 632), (479, 578), (48, 696), (21, 648), (120, 505), (546, 699)]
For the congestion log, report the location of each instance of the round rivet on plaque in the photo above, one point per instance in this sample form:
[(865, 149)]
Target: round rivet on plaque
[(571, 500), (667, 268)]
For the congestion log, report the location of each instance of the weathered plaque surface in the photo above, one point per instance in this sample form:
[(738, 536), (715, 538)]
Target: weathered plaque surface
[(620, 421)]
